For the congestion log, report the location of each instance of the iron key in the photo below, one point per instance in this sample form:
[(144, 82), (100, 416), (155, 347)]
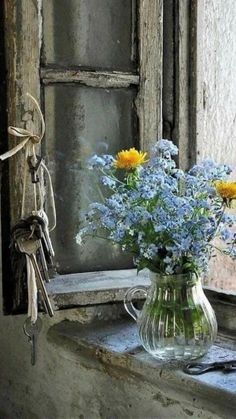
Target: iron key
[(32, 331), (30, 247)]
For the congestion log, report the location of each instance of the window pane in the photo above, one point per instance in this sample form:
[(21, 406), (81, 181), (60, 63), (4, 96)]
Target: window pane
[(217, 119), (89, 33), (81, 121)]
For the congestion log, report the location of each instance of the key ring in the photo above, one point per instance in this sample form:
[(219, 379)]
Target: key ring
[(28, 324), (25, 326)]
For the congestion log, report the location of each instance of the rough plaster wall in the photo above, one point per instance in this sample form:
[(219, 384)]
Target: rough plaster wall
[(64, 384), (217, 103)]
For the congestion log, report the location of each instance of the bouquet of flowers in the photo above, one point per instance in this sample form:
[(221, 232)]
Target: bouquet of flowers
[(167, 218)]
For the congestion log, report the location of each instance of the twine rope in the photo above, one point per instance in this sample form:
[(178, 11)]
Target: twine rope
[(29, 142)]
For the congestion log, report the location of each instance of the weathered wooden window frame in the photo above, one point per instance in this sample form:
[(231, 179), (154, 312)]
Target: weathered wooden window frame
[(23, 28), (167, 80), (182, 102)]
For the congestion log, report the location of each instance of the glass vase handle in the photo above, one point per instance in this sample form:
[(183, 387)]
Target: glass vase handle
[(134, 312)]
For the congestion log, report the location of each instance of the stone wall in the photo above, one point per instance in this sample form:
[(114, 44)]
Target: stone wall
[(69, 382)]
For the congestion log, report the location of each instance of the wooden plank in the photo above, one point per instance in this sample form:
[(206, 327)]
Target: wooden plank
[(180, 95), (89, 78), (149, 101), (168, 89), (5, 225), (199, 87), (22, 42), (22, 24), (196, 8), (91, 288), (181, 133)]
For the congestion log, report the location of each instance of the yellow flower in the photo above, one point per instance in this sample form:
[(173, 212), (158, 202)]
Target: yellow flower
[(129, 159), (227, 190)]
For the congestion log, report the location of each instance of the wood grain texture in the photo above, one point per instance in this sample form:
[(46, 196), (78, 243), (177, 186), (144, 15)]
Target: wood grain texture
[(168, 88), (195, 10), (22, 42), (217, 85), (89, 78), (180, 77), (182, 83), (216, 106), (22, 23), (149, 101)]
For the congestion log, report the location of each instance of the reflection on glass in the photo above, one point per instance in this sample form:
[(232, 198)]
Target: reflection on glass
[(89, 33), (82, 121)]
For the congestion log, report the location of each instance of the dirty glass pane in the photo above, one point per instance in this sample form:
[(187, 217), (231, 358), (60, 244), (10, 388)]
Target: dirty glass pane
[(82, 121), (89, 33)]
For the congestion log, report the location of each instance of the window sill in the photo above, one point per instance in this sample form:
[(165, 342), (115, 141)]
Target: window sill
[(91, 288), (115, 348)]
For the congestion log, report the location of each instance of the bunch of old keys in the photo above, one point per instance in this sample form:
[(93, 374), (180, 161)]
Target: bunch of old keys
[(30, 236), (31, 239)]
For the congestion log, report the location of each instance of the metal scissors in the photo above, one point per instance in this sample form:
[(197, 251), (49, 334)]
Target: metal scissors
[(197, 368)]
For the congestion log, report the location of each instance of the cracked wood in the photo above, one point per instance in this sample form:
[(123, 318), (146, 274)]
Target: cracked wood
[(149, 101), (22, 46), (89, 78)]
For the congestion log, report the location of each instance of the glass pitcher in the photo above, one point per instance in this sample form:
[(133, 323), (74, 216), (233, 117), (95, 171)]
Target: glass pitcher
[(177, 321)]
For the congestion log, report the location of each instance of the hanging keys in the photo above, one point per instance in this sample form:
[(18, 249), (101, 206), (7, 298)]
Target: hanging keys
[(37, 226), (27, 237), (31, 237), (43, 264), (41, 224), (32, 330), (33, 226), (48, 244), (30, 248)]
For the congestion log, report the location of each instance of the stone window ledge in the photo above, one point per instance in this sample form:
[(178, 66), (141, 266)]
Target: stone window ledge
[(114, 346), (93, 288)]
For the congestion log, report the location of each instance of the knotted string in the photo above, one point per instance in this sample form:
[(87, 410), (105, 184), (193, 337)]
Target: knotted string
[(30, 139), (29, 142)]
